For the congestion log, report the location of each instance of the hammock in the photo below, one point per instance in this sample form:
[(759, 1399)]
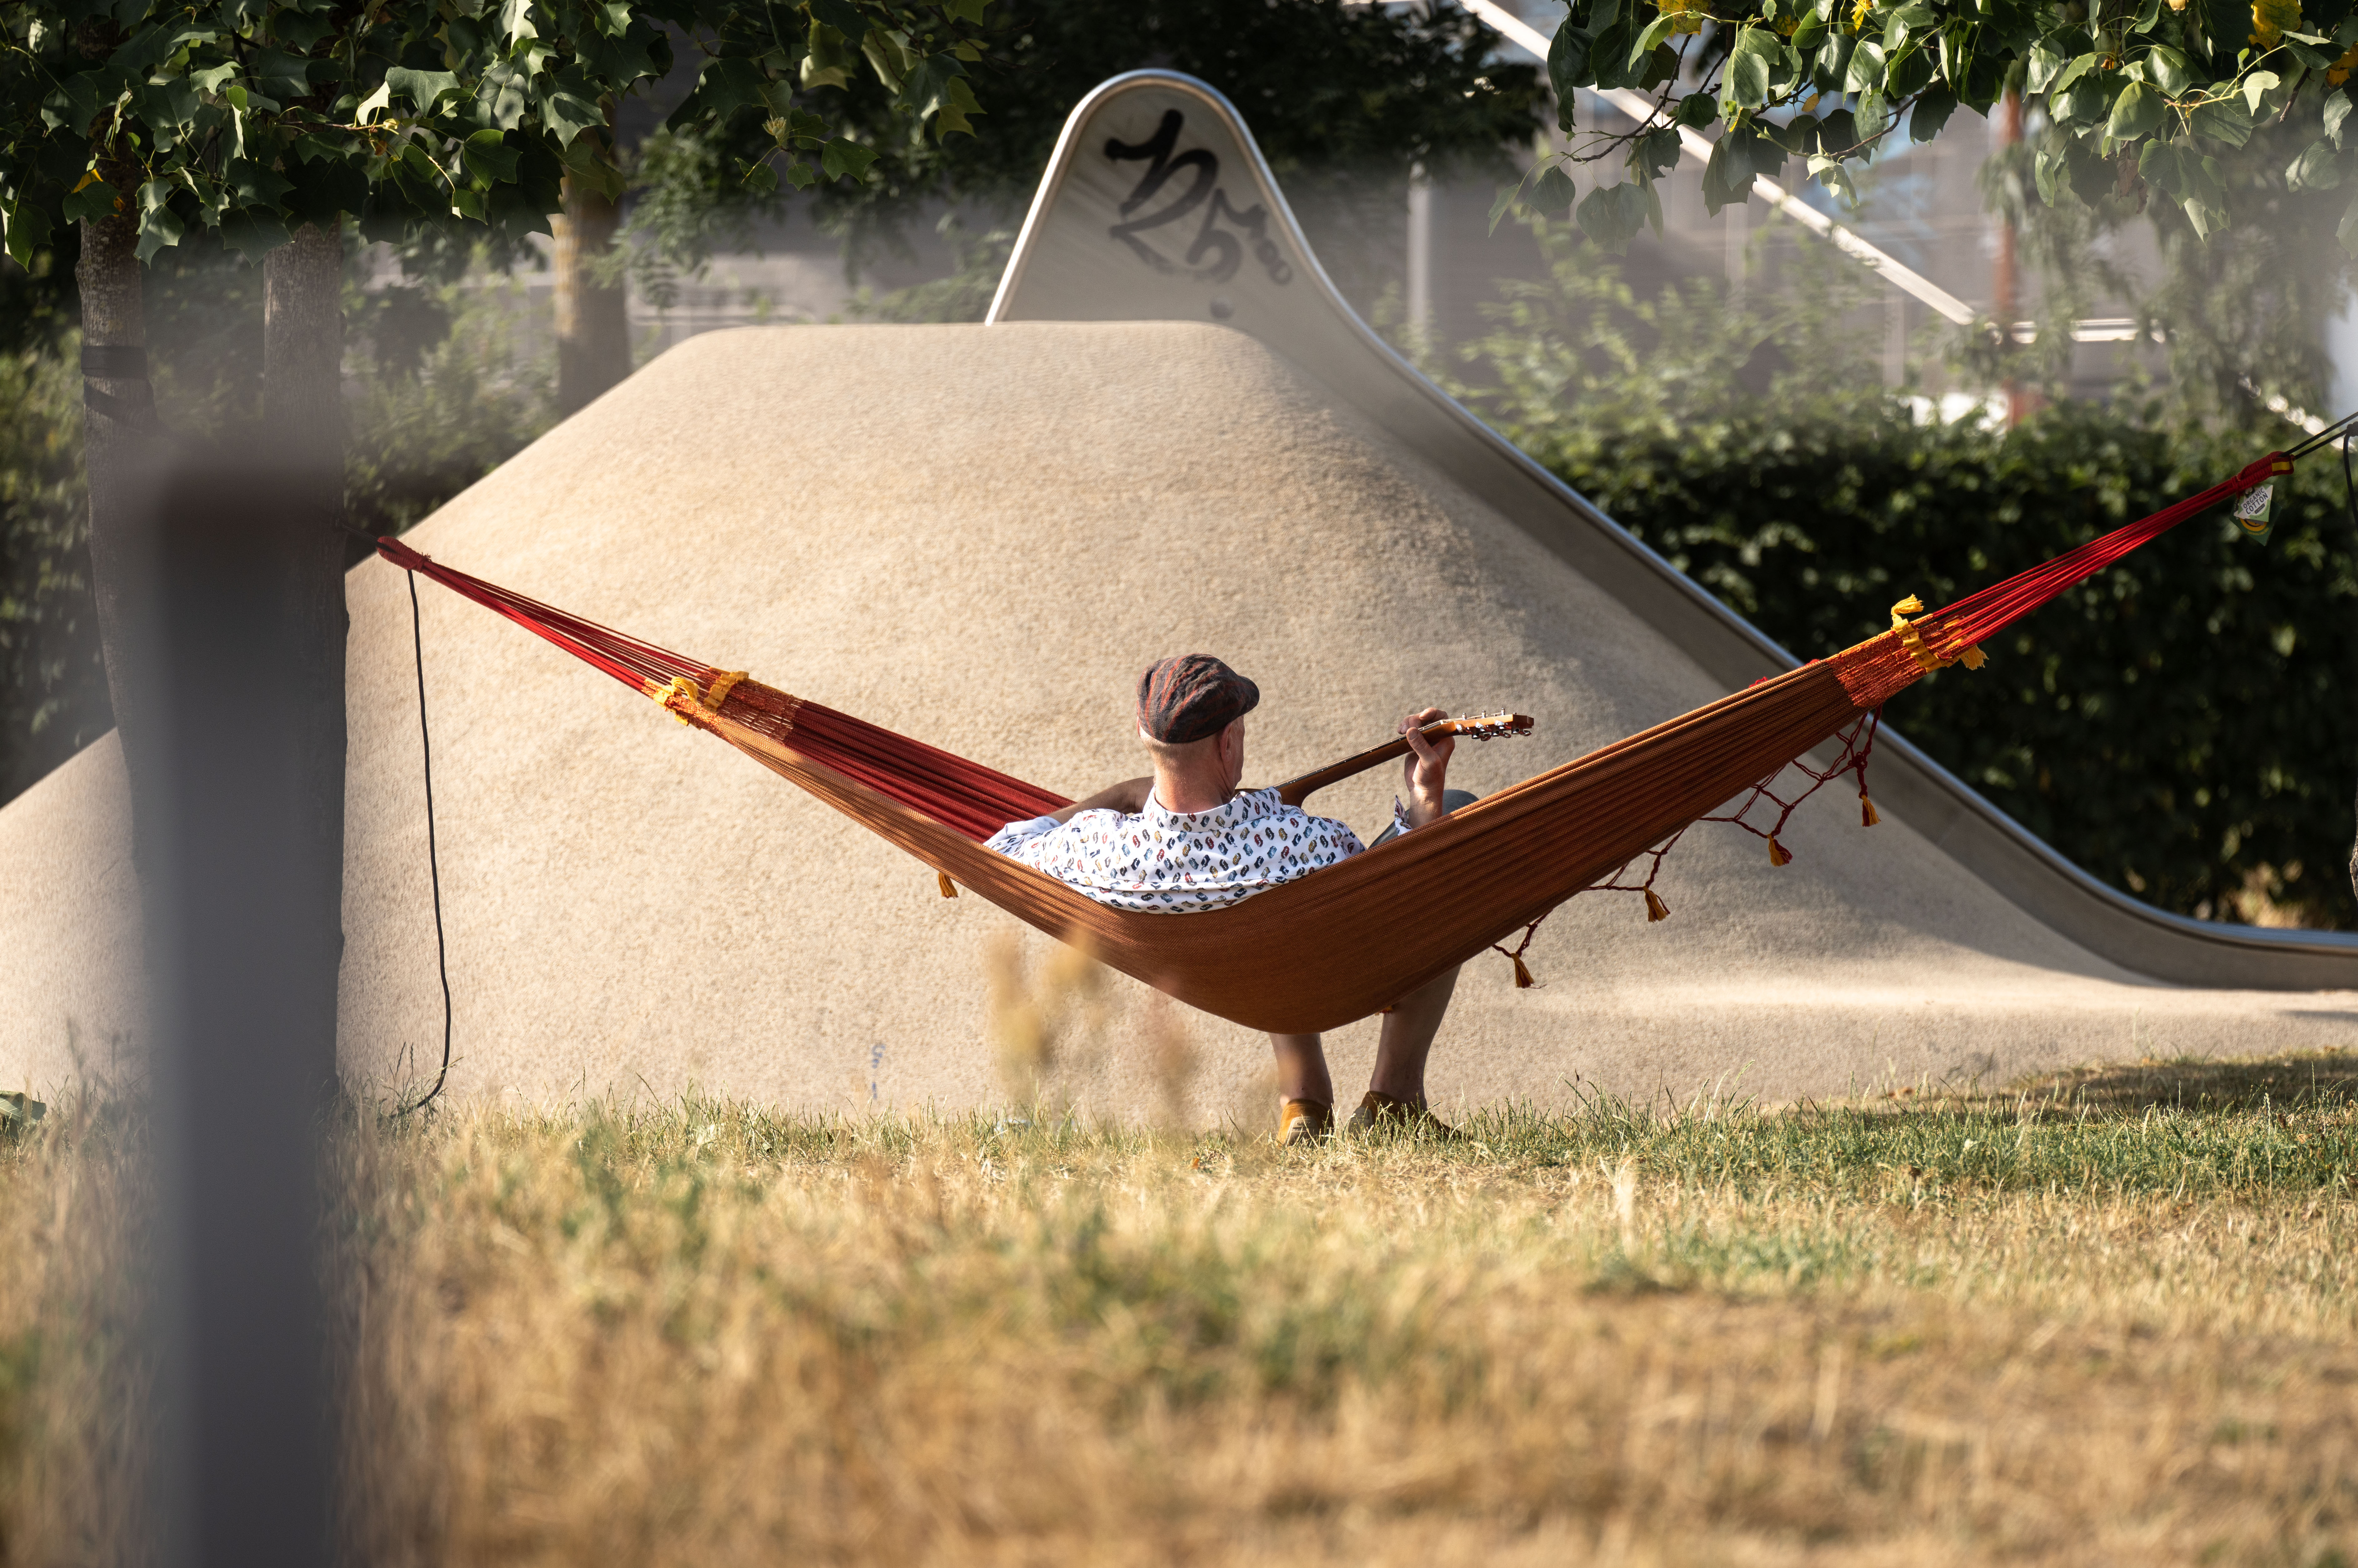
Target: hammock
[(1326, 949)]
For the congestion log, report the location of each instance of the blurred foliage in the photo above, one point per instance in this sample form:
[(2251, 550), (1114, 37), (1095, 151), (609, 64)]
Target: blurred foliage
[(2238, 313), (2179, 725), (1344, 99), (52, 689), (2137, 96), (445, 376)]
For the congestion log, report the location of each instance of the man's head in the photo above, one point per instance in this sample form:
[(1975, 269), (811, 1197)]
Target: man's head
[(1188, 707), (1189, 697)]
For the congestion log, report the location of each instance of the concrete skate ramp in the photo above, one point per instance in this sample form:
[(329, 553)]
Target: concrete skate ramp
[(978, 536)]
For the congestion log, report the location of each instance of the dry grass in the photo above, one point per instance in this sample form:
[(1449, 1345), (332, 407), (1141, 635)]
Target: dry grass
[(2106, 1318)]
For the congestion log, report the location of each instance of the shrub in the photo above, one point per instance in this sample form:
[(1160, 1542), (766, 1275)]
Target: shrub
[(2173, 724)]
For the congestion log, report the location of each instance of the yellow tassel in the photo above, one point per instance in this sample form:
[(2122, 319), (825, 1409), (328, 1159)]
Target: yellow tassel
[(1867, 816), (1777, 854), (1912, 605), (1973, 658), (1523, 980), (723, 682), (1655, 908), (949, 888)]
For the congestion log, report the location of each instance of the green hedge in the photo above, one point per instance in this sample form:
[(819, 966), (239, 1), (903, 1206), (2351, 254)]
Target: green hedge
[(2182, 725), (2178, 726)]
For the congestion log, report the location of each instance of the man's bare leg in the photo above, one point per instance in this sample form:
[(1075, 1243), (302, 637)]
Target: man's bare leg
[(1407, 1040), (1301, 1068)]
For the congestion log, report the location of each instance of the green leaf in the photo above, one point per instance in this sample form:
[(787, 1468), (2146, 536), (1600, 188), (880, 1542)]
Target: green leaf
[(2337, 110), (2317, 168), (967, 11), (489, 158), (886, 57), (1508, 196), (372, 105), (569, 106), (761, 178), (801, 176), (828, 64), (1695, 110), (841, 14), (2257, 88), (2045, 64), (1568, 67), (424, 88), (1866, 66), (1553, 193), (2169, 70), (95, 200), (2226, 120), (1833, 64), (1655, 154), (159, 227), (2072, 72), (1835, 178), (2136, 111), (1747, 68), (1931, 113), (2046, 170), (2308, 54), (23, 228), (252, 234), (1872, 118), (958, 106), (2160, 165), (1656, 31), (842, 156), (1611, 216), (1910, 73), (515, 21)]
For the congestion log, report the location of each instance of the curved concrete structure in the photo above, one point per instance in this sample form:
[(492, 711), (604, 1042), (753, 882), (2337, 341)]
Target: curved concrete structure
[(1093, 248), (978, 536)]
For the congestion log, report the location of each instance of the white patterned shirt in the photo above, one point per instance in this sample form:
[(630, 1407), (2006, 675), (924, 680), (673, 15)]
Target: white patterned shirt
[(1179, 862)]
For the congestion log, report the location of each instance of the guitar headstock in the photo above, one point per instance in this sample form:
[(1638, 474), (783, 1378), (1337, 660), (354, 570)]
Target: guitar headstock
[(1482, 725)]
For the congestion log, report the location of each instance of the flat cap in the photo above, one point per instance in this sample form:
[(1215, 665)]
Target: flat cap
[(1190, 695)]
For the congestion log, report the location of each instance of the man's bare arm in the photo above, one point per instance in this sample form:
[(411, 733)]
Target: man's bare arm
[(1128, 797)]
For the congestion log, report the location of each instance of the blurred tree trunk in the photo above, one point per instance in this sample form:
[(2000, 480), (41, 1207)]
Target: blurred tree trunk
[(593, 333), (120, 441), (302, 407)]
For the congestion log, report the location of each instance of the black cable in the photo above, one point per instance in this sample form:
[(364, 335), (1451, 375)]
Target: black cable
[(2324, 437), (433, 853)]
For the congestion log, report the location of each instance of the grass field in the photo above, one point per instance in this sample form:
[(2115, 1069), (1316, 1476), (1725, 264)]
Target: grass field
[(2101, 1318)]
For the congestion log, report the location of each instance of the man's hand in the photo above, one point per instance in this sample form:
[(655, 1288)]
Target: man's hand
[(1424, 772), (1128, 797)]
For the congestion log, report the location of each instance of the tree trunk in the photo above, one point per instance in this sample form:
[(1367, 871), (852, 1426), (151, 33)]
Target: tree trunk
[(119, 442), (302, 405), (593, 332)]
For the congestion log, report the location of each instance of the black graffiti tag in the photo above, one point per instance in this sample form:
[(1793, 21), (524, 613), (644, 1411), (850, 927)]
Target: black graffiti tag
[(1211, 239)]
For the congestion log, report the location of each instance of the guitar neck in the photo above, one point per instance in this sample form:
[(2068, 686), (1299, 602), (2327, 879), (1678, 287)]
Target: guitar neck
[(1295, 791)]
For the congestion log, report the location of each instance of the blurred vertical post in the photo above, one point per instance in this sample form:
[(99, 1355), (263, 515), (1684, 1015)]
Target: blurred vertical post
[(243, 966), (1420, 257), (2003, 304)]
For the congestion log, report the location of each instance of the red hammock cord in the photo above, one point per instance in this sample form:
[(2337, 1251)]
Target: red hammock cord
[(959, 795), (977, 801)]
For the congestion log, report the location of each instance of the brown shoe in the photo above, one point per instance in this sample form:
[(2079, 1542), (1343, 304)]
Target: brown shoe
[(1304, 1122), (1378, 1112)]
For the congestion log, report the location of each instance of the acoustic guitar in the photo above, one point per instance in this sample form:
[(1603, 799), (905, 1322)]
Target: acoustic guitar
[(1472, 726)]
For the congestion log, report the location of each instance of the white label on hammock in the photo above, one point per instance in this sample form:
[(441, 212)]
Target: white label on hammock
[(2252, 510)]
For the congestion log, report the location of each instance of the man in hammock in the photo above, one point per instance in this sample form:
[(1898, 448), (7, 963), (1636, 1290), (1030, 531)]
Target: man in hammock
[(1184, 839)]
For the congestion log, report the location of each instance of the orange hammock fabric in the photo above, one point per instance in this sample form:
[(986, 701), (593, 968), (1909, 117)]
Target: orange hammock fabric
[(1345, 942)]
